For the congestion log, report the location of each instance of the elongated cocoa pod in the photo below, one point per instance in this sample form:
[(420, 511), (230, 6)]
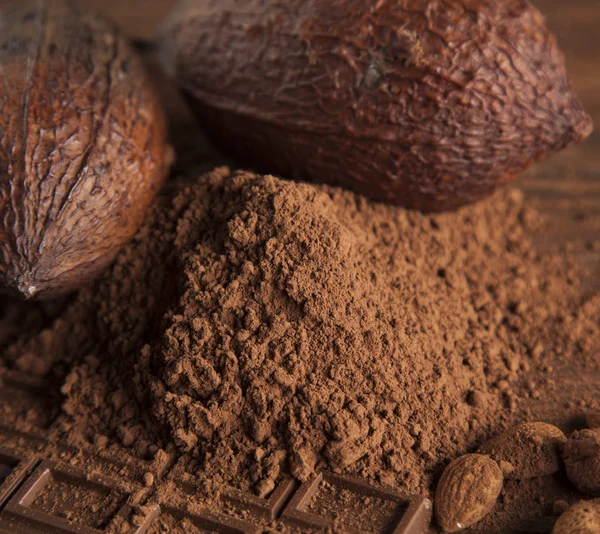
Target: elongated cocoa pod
[(82, 146), (429, 104)]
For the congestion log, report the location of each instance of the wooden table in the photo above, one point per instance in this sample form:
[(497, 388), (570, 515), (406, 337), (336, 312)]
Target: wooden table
[(567, 186)]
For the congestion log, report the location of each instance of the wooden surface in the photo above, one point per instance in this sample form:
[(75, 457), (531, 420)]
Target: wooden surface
[(567, 186)]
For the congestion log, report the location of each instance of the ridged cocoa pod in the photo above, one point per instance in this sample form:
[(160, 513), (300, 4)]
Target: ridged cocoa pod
[(82, 146), (423, 103)]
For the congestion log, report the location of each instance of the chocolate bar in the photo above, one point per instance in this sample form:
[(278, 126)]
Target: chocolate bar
[(14, 469), (61, 499), (250, 505), (49, 488), (176, 520)]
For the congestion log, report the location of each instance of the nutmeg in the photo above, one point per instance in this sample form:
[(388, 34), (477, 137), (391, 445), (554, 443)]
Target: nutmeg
[(425, 104), (82, 146)]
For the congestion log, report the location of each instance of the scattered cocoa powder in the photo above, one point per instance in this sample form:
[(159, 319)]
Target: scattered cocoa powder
[(268, 327)]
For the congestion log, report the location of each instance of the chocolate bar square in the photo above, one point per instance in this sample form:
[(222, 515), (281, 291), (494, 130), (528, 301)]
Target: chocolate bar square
[(176, 521), (329, 501), (14, 468), (127, 470), (59, 499), (134, 520), (249, 506), (176, 517)]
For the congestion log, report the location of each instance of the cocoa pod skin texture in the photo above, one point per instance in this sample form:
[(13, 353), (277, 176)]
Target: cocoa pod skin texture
[(82, 146), (428, 104)]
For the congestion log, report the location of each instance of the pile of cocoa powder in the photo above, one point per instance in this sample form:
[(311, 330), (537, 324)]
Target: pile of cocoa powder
[(269, 327)]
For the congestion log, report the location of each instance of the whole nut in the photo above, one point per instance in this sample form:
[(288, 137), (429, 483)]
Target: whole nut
[(421, 103), (467, 491), (82, 146), (582, 460), (532, 449), (581, 518)]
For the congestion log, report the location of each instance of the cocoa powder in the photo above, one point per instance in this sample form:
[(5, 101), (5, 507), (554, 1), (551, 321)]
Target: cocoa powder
[(268, 327)]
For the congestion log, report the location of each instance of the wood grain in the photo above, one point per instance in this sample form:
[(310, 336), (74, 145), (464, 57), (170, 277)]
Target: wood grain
[(567, 186)]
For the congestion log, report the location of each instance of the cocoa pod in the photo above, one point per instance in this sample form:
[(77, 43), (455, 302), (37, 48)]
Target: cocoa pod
[(82, 146), (421, 103)]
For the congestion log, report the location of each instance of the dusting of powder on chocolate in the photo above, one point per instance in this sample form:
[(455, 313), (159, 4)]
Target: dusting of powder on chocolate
[(269, 327)]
